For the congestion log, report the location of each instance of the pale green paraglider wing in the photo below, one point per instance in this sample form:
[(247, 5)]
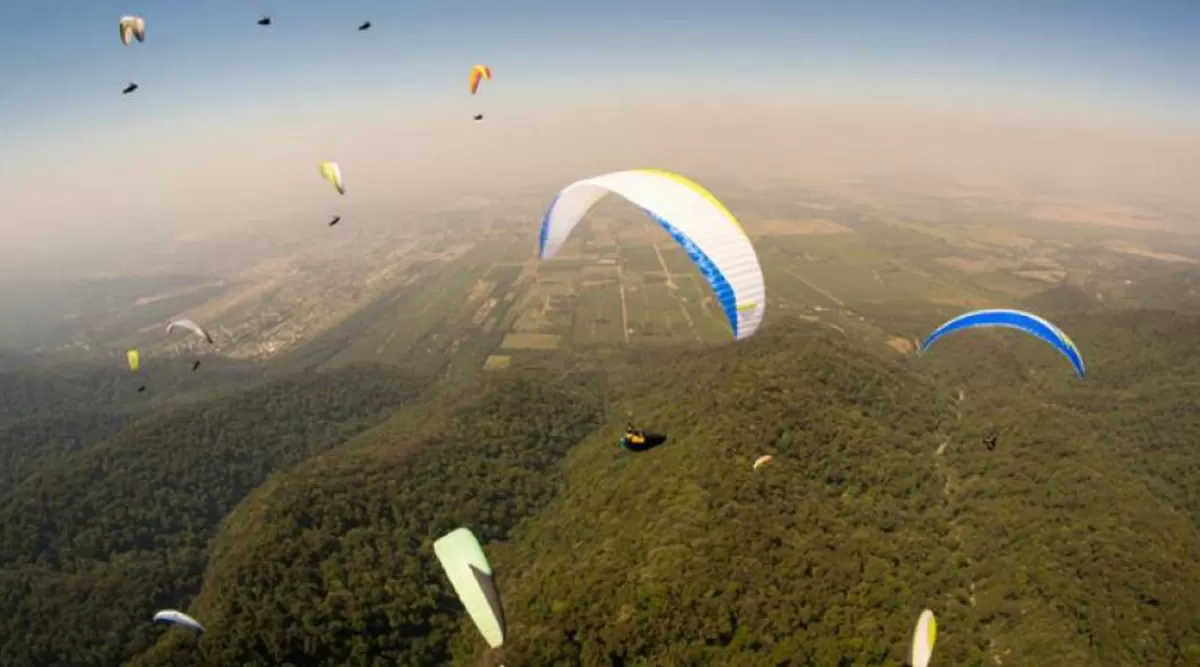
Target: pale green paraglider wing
[(471, 576)]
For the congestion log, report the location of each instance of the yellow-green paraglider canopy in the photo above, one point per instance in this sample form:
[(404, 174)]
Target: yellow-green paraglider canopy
[(471, 576)]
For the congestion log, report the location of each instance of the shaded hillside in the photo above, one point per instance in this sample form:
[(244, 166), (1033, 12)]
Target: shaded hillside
[(1059, 299), (92, 544), (12, 360), (1177, 289), (27, 445), (29, 391), (332, 563), (47, 411), (42, 389)]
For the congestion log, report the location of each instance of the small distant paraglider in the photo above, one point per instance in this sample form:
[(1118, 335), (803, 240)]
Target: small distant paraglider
[(366, 25), (479, 73), (1012, 319), (179, 618), (924, 637), (134, 358), (190, 325), (130, 28), (989, 441), (336, 219), (266, 20), (762, 461), (470, 574), (331, 172)]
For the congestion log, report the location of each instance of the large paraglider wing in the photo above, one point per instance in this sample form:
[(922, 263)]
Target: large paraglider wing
[(924, 637), (191, 326), (1012, 319), (471, 576), (707, 231), (134, 359), (178, 617)]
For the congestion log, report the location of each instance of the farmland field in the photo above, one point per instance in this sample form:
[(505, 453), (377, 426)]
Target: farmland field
[(622, 281)]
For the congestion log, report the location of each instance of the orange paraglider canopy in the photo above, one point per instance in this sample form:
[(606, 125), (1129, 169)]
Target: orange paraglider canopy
[(478, 73)]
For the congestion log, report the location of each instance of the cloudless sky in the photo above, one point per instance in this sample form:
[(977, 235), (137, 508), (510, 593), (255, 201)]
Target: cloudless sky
[(206, 66), (65, 67)]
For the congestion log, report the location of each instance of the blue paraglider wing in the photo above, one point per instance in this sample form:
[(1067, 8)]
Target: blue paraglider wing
[(1012, 319)]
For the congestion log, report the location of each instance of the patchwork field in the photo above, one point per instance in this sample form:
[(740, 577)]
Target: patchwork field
[(621, 281), (531, 341)]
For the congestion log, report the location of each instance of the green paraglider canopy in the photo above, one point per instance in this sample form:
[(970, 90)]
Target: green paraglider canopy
[(471, 576)]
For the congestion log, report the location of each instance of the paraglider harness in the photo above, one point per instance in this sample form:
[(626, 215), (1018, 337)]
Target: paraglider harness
[(637, 440), (989, 440), (633, 436)]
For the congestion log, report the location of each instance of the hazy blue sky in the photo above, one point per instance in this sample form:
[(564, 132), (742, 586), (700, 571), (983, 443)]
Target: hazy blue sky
[(202, 56), (311, 85)]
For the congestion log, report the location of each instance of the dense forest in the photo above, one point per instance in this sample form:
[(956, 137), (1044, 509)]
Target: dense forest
[(296, 517), (90, 543), (50, 411)]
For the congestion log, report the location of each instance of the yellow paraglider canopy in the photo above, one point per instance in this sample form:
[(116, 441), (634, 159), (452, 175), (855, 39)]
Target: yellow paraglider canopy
[(333, 173), (924, 638), (134, 359)]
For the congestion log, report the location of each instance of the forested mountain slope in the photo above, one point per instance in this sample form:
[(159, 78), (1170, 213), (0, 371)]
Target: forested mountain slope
[(93, 543), (1050, 549), (1074, 541), (1070, 543), (47, 411), (332, 564)]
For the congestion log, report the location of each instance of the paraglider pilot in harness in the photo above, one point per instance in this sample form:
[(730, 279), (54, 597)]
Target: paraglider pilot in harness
[(637, 440), (989, 440), (634, 436)]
